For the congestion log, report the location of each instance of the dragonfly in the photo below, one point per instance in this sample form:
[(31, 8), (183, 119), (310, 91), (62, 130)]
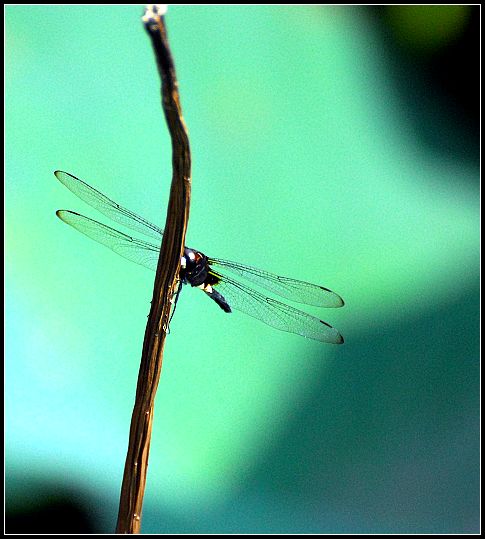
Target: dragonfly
[(222, 280)]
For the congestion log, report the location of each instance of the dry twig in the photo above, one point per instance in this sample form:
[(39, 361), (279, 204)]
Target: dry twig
[(134, 477)]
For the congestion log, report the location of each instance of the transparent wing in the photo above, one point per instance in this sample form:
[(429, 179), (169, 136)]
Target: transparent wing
[(274, 313), (138, 251), (108, 207), (292, 289), (239, 296)]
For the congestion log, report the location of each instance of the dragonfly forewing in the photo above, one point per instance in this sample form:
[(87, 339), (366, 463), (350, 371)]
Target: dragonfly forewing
[(108, 207), (292, 289)]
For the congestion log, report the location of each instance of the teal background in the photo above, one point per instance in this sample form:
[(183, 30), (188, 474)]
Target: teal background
[(308, 161)]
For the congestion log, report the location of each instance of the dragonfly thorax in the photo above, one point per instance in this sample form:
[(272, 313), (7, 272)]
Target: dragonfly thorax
[(194, 267)]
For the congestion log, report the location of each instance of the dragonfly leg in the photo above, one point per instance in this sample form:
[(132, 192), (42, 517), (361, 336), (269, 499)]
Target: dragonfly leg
[(179, 289)]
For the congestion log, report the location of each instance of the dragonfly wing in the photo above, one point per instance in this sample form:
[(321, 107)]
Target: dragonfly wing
[(108, 207), (138, 251), (292, 289), (273, 312)]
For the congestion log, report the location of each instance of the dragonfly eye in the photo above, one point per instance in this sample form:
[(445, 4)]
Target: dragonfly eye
[(183, 262)]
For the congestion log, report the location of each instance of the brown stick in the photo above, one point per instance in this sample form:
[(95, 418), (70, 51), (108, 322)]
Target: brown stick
[(166, 281)]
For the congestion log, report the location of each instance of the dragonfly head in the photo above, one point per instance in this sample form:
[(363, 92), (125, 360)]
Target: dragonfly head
[(196, 267)]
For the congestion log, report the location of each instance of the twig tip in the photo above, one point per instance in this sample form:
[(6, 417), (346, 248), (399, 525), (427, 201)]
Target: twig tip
[(153, 11)]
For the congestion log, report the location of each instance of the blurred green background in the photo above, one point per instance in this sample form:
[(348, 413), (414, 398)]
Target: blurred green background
[(327, 146)]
